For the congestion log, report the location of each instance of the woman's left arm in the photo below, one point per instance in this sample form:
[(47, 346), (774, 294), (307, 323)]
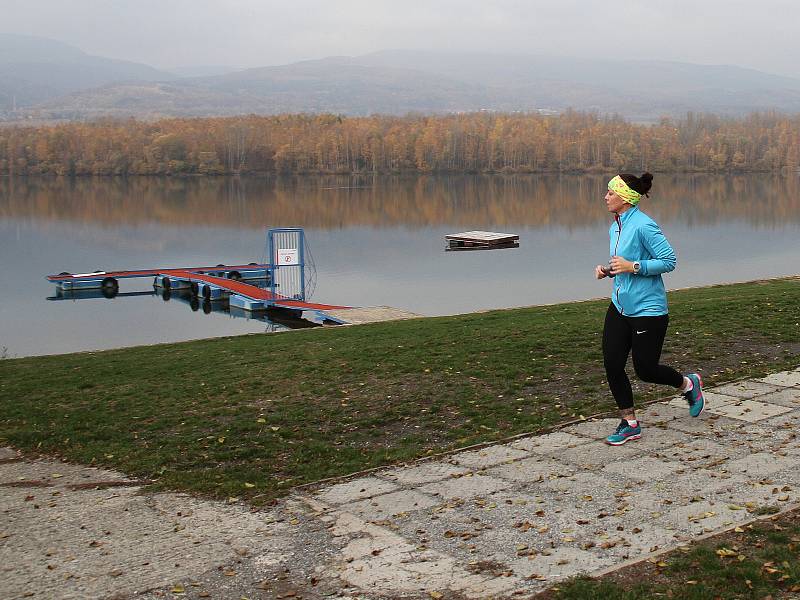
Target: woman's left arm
[(656, 243)]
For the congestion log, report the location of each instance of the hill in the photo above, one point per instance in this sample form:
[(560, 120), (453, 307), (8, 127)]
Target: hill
[(35, 70), (391, 82), (313, 86)]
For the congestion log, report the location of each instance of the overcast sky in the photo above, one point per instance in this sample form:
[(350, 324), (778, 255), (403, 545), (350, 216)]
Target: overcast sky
[(248, 33)]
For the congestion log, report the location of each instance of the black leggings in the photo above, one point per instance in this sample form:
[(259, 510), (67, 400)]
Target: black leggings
[(643, 335)]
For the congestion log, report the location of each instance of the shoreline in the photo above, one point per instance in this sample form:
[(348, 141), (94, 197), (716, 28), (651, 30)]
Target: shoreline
[(416, 316)]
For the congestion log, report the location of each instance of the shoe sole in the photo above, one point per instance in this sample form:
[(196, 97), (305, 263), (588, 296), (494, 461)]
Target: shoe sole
[(627, 439), (700, 379)]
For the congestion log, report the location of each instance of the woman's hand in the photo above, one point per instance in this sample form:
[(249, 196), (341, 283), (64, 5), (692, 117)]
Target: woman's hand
[(600, 272), (620, 265)]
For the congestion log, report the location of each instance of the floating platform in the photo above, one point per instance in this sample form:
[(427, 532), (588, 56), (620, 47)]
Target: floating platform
[(209, 283), (104, 279), (481, 240), (242, 295)]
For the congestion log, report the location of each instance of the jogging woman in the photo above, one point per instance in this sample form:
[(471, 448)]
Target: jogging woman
[(637, 318)]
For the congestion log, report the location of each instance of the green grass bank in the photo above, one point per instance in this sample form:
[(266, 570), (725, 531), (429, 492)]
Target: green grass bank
[(252, 416)]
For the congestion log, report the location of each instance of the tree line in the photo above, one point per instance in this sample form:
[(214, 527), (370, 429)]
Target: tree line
[(458, 143)]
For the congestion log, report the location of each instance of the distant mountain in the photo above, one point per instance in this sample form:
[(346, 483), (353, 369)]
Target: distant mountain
[(402, 81), (313, 86), (635, 88), (202, 70), (35, 70)]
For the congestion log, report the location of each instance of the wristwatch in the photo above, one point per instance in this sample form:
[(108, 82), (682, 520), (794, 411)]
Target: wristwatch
[(636, 267)]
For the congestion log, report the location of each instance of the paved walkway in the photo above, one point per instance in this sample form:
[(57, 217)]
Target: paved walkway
[(506, 520)]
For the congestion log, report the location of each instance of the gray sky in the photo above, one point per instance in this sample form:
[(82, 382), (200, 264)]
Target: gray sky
[(248, 33)]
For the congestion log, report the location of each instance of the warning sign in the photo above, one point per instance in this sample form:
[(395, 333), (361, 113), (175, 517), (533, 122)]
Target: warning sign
[(288, 257)]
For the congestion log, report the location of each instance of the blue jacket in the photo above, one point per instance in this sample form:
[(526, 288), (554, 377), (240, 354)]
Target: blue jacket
[(636, 237)]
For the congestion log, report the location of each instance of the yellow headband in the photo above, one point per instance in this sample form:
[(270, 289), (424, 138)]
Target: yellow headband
[(621, 189)]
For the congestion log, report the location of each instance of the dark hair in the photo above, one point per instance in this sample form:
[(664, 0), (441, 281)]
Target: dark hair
[(638, 184)]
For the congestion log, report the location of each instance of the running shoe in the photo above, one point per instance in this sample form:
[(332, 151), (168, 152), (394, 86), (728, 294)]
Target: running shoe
[(624, 433), (694, 396)]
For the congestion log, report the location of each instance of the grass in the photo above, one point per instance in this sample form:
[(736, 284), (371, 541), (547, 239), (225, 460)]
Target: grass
[(252, 416), (754, 562)]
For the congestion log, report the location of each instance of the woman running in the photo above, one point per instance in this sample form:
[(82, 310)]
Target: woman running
[(637, 318)]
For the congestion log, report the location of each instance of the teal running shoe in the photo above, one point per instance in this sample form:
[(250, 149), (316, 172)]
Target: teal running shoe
[(694, 397), (624, 433)]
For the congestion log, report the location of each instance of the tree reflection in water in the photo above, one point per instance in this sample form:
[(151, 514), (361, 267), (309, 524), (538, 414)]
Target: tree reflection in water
[(334, 202)]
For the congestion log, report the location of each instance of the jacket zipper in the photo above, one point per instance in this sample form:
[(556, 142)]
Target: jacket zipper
[(619, 235)]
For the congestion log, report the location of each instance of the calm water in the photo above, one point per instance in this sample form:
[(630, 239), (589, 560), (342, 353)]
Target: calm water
[(376, 241)]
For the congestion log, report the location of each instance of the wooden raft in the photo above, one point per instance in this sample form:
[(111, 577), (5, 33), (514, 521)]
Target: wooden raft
[(481, 240)]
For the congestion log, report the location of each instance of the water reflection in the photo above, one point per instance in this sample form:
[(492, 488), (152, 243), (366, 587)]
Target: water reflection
[(336, 202), (275, 319)]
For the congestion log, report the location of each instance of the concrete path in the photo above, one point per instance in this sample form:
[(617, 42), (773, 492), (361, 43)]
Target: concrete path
[(503, 521), (371, 314)]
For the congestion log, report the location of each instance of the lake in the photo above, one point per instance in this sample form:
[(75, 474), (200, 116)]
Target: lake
[(375, 241)]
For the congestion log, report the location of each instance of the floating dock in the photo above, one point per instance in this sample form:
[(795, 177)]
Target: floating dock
[(481, 240), (277, 290), (209, 283), (240, 294), (110, 279), (281, 284)]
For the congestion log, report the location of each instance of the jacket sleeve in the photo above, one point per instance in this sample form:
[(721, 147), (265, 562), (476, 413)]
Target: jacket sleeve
[(656, 243)]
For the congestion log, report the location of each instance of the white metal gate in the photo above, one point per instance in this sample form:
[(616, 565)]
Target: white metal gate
[(286, 252)]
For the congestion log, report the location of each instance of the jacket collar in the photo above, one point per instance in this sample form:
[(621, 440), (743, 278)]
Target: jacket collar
[(622, 218)]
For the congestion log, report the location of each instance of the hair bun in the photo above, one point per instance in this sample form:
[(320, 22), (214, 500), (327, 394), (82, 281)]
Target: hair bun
[(647, 182)]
